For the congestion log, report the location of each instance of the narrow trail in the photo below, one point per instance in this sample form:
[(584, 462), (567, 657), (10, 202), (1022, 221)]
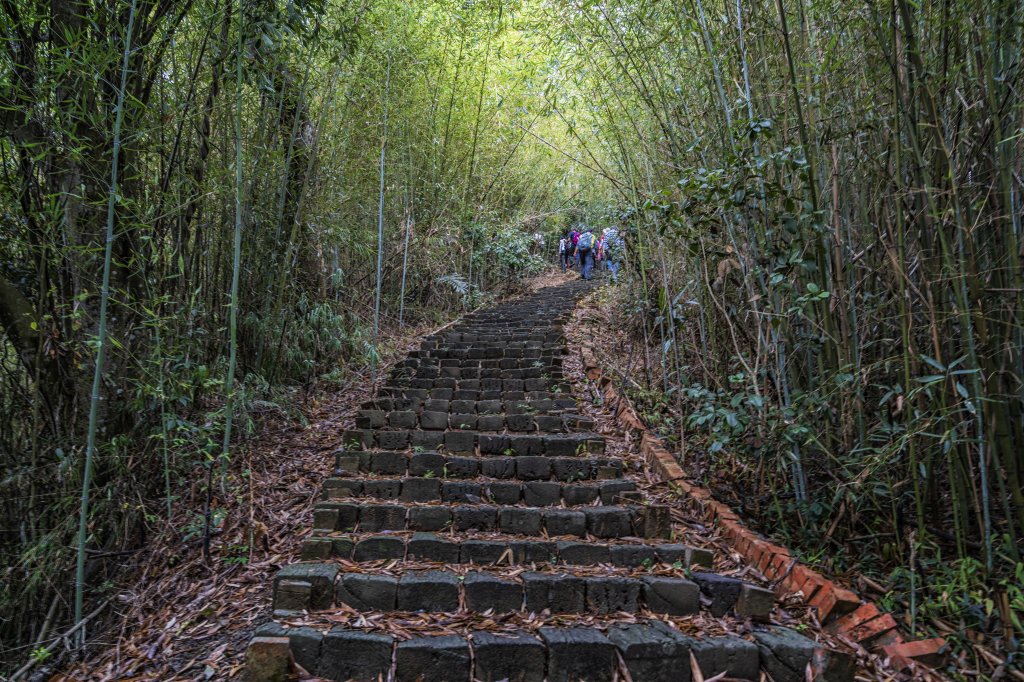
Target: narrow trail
[(480, 524)]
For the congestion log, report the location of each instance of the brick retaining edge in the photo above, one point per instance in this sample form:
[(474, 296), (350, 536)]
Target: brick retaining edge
[(840, 610)]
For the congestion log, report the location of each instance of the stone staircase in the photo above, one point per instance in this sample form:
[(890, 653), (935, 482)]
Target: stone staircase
[(475, 512)]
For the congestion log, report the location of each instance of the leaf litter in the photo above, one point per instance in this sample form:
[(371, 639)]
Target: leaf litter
[(178, 617), (592, 325), (183, 619)]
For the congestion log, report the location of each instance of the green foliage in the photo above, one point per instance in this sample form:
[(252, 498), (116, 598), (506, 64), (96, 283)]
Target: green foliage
[(472, 170), (235, 554), (821, 310), (952, 593), (509, 250)]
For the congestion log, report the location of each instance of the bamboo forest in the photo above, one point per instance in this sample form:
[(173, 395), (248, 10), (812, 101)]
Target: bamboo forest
[(491, 340)]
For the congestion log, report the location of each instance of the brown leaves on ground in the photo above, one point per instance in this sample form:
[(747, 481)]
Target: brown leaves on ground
[(179, 617), (405, 625), (551, 278)]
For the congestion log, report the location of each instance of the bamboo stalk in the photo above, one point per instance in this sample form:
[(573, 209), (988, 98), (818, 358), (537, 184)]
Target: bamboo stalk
[(380, 206), (101, 337)]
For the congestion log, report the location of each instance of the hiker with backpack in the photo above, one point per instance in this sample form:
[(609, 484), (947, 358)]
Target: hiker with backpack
[(563, 252), (613, 251), (585, 252), (570, 247)]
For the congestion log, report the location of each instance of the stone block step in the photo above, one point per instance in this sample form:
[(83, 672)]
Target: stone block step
[(432, 464), (520, 369), (497, 354), (484, 355), (566, 409), (530, 326), (545, 339), (620, 590), (605, 521), (471, 442), (487, 549), (489, 378), (489, 386), (483, 352), (431, 367), (652, 651), (474, 405), (489, 490), (504, 333), (531, 591), (462, 415), (468, 330), (469, 389)]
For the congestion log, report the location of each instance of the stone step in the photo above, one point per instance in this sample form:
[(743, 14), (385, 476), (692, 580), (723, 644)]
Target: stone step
[(465, 415), (484, 490), (503, 319), (318, 587), (529, 339), (486, 549), (432, 464), (652, 651), (484, 353), (550, 343), (437, 387), (536, 374), (430, 367), (606, 521), (509, 344), (468, 331), (470, 352), (515, 328), (536, 591), (473, 404), (556, 592), (472, 442), (451, 389), (468, 356), (471, 391), (469, 402)]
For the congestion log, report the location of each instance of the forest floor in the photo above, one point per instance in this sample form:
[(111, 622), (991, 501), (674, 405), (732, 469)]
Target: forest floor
[(595, 325), (621, 355), (180, 616)]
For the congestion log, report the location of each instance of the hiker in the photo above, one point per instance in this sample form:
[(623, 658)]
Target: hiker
[(613, 251), (573, 237), (599, 252), (563, 252), (585, 252)]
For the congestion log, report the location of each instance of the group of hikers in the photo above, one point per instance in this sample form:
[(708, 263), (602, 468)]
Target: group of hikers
[(587, 250)]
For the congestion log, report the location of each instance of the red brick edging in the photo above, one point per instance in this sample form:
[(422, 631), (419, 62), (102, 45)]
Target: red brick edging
[(840, 610)]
